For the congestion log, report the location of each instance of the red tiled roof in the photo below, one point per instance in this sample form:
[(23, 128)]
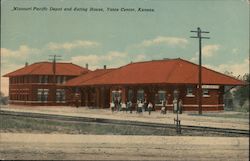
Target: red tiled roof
[(78, 81), (46, 68), (170, 71)]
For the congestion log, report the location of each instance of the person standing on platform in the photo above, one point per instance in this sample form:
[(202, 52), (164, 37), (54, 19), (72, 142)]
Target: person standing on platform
[(150, 107), (77, 100), (145, 105), (119, 103), (180, 106), (112, 106), (175, 108), (116, 103), (137, 106), (129, 106), (140, 106), (124, 107)]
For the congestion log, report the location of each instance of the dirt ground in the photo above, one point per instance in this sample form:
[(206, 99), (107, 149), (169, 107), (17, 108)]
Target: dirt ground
[(186, 118), (27, 146), (110, 147)]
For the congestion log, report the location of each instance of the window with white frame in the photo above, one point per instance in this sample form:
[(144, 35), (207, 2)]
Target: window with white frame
[(60, 95), (40, 79), (64, 79), (43, 79), (190, 90), (60, 79), (42, 95), (205, 93), (116, 95)]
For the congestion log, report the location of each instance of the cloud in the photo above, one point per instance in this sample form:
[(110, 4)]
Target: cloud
[(6, 68), (90, 59), (194, 59), (161, 40), (9, 67), (210, 50), (237, 68), (10, 60), (72, 45), (140, 57), (113, 57), (22, 52)]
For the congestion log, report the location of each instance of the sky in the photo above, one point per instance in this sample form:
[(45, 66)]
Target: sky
[(116, 38)]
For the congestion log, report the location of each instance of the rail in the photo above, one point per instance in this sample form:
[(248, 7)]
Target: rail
[(54, 117)]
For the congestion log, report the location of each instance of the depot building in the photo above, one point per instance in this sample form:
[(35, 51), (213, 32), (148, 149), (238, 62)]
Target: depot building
[(152, 81)]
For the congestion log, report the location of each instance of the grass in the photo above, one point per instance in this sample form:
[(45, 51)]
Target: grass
[(31, 125)]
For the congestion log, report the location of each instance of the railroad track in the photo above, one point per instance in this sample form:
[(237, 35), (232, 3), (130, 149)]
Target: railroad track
[(77, 119)]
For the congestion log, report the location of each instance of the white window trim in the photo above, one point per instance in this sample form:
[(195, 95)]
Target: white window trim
[(161, 92), (205, 95), (190, 95)]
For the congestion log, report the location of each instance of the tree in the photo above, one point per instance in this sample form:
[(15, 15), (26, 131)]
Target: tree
[(241, 94), (3, 99), (228, 96)]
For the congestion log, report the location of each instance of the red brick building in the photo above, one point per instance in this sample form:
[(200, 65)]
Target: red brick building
[(40, 83), (154, 81), (89, 95)]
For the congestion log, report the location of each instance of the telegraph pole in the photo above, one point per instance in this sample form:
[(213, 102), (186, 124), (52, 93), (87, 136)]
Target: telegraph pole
[(54, 59), (200, 37)]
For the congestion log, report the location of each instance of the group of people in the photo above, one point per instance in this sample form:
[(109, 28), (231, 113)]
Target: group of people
[(117, 105), (142, 106)]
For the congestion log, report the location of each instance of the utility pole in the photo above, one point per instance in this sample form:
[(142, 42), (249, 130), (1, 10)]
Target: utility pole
[(54, 59), (200, 37)]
